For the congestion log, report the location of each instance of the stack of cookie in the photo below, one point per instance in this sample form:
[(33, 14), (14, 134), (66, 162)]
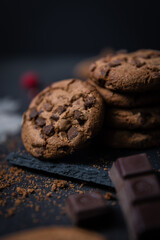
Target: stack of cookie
[(130, 85)]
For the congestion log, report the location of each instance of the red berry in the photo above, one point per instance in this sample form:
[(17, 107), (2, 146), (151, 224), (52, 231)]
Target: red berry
[(30, 80)]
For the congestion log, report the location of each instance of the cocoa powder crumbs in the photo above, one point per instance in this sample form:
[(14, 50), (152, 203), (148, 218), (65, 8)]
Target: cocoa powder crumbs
[(49, 194), (113, 203), (105, 169), (109, 196), (17, 202), (37, 208), (10, 212), (79, 191), (22, 189), (58, 184)]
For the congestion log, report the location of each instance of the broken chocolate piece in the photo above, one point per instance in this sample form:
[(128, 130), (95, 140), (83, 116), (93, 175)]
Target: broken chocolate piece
[(33, 114), (86, 208), (134, 165), (89, 102), (40, 121), (48, 130), (72, 133)]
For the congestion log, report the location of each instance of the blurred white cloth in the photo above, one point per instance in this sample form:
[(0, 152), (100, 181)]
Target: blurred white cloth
[(10, 121)]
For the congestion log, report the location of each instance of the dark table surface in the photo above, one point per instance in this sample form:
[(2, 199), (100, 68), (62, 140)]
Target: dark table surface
[(50, 210)]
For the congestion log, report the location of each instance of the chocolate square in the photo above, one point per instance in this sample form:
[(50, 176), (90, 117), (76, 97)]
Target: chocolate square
[(145, 220), (142, 188), (85, 208), (134, 165)]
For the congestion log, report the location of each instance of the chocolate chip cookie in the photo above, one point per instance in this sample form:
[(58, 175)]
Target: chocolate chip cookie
[(145, 118), (62, 118), (127, 100), (133, 72), (56, 233), (132, 139)]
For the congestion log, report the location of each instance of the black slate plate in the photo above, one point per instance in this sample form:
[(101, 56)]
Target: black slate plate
[(88, 165)]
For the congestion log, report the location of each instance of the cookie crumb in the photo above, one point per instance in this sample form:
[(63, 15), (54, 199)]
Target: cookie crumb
[(109, 196), (37, 208), (17, 202), (49, 194), (10, 212)]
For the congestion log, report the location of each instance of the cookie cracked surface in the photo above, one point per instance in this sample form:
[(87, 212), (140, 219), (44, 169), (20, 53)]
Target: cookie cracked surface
[(62, 118), (129, 72)]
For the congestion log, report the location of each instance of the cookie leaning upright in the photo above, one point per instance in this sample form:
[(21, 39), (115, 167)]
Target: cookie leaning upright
[(62, 118), (128, 72)]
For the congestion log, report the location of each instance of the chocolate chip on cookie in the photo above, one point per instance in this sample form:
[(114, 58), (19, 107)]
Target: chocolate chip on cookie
[(54, 117), (48, 130), (61, 109), (101, 83), (92, 67), (33, 113), (68, 116), (137, 62), (48, 107), (78, 115), (40, 121), (115, 63), (72, 133), (89, 102)]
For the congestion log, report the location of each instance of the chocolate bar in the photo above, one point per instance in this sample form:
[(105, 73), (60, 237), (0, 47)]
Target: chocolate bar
[(87, 208), (145, 221), (134, 165), (138, 190)]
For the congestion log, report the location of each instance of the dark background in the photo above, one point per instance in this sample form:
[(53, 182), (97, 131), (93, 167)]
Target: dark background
[(51, 37), (32, 27)]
